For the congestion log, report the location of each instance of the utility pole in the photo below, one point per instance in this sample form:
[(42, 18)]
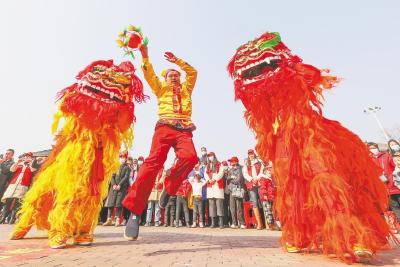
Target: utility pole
[(372, 111)]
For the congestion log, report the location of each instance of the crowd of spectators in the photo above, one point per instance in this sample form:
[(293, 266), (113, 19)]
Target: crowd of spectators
[(226, 193)]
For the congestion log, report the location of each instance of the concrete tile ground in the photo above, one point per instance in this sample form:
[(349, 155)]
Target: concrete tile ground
[(170, 247)]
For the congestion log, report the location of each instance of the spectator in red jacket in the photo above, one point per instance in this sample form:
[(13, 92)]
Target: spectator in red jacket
[(383, 160), (394, 188), (267, 195), (19, 185), (182, 202)]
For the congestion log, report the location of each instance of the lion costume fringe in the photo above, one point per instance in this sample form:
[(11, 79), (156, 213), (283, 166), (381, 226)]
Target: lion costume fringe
[(67, 193), (329, 196)]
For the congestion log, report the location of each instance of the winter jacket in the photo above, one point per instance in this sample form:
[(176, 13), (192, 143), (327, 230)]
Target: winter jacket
[(267, 189), (252, 172), (234, 177), (158, 186), (215, 189), (184, 189), (385, 162)]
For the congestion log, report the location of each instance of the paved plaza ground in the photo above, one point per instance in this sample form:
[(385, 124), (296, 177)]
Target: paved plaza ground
[(175, 247)]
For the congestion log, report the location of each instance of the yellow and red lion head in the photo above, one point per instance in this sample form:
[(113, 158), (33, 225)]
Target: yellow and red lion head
[(103, 94), (265, 66), (319, 165)]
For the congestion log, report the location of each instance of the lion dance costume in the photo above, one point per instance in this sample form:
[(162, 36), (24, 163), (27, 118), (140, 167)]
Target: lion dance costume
[(329, 196), (98, 113)]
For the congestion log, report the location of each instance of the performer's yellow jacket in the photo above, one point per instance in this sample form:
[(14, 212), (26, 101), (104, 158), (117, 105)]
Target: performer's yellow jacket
[(174, 104)]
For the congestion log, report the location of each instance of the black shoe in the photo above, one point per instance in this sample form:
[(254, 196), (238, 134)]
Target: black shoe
[(132, 228), (221, 222), (164, 198), (213, 222)]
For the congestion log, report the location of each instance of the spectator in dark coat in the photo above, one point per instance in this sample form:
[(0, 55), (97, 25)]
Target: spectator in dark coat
[(182, 202), (394, 189), (169, 213), (235, 183), (6, 161), (118, 189)]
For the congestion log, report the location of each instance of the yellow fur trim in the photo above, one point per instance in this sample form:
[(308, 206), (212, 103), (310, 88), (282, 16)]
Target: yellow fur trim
[(60, 199)]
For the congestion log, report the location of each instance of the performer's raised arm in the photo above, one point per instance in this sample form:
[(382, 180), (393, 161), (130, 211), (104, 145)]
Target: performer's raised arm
[(148, 71), (191, 73)]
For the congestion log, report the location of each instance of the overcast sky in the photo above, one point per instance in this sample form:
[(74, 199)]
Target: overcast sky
[(45, 43)]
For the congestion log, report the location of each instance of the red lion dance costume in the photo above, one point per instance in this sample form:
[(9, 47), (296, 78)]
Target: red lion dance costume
[(329, 194), (67, 194)]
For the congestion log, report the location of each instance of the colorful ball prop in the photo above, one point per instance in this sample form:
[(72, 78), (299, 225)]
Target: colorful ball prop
[(131, 39)]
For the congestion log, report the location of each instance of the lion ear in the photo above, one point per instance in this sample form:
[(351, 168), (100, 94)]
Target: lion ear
[(127, 66)]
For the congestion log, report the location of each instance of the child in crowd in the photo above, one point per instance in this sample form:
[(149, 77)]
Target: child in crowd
[(169, 213), (182, 203), (267, 196), (197, 188)]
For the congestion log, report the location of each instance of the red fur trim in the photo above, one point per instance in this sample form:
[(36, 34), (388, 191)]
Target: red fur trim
[(329, 194)]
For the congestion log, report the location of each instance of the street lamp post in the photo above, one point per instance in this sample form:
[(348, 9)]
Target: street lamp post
[(373, 111)]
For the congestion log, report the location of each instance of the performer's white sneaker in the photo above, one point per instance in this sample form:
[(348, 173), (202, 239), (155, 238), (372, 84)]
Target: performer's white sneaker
[(132, 228)]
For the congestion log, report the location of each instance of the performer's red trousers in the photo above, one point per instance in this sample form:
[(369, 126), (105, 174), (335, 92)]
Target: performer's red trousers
[(164, 138)]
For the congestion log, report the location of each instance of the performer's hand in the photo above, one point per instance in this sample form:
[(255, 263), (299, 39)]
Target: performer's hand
[(118, 187), (114, 187), (144, 51), (170, 57)]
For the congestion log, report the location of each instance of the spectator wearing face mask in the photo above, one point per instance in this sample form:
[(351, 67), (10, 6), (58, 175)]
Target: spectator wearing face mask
[(197, 182), (235, 183), (383, 160), (214, 174), (227, 213), (182, 203), (394, 147), (133, 165), (203, 156), (252, 171), (267, 196), (21, 180), (394, 189), (200, 169), (132, 176), (140, 161), (118, 190)]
